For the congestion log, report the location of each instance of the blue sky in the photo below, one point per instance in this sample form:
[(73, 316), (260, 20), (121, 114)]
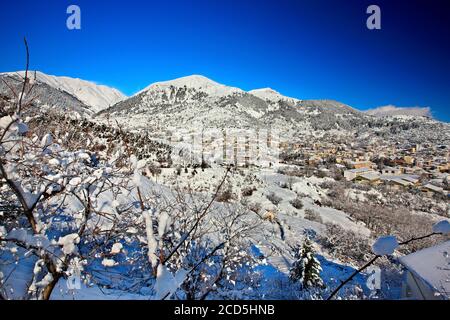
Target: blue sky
[(306, 49)]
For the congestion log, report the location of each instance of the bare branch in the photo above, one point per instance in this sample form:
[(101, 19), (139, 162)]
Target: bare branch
[(19, 106)]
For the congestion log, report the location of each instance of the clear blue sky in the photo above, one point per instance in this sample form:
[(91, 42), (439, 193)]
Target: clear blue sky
[(306, 49)]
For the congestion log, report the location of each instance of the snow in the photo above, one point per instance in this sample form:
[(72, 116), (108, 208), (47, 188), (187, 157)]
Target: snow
[(442, 227), (84, 156), (24, 236), (431, 265), (116, 248), (54, 162), (138, 179), (163, 223), (385, 246), (271, 95), (46, 141), (69, 243), (22, 128), (197, 82), (75, 181), (167, 283), (108, 262), (2, 231), (98, 97), (151, 241), (5, 121)]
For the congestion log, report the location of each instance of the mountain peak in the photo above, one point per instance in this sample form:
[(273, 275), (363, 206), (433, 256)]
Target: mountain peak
[(98, 97), (271, 95), (198, 82), (268, 90)]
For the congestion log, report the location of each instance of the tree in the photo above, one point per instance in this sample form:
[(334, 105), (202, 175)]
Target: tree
[(306, 268)]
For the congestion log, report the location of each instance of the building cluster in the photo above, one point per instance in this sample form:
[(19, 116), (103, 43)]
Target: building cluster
[(425, 167)]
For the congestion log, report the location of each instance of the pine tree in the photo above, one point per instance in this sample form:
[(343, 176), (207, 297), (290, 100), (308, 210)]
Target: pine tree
[(306, 268)]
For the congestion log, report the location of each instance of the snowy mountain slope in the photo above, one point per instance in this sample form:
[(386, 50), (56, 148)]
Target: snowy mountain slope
[(197, 82), (98, 97), (195, 101), (43, 96), (390, 110), (271, 95)]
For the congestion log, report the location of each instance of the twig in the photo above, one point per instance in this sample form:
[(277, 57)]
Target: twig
[(19, 107), (198, 219)]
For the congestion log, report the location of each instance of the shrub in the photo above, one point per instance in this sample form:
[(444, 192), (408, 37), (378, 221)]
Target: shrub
[(225, 196), (272, 197), (248, 191), (347, 246), (297, 203), (312, 215)]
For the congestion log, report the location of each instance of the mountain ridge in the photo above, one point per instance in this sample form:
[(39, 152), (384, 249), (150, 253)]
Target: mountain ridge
[(97, 96)]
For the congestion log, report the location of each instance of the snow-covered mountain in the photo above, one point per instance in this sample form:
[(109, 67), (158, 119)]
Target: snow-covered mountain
[(391, 110), (97, 97), (196, 101), (196, 82), (271, 95)]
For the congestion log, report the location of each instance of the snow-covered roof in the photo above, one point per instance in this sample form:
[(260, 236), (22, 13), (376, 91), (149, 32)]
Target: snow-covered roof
[(432, 265), (359, 170), (411, 179), (396, 179), (433, 188), (370, 176)]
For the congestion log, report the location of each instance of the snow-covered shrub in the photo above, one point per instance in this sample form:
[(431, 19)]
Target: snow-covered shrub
[(272, 197), (297, 203), (313, 215), (344, 245), (248, 191)]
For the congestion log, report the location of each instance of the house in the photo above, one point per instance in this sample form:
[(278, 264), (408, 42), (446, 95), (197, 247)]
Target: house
[(430, 189), (445, 167), (368, 178), (396, 182), (391, 171), (412, 179), (427, 275), (353, 173), (361, 164), (409, 160)]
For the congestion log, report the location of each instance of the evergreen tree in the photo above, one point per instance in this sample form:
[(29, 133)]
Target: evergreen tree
[(306, 268)]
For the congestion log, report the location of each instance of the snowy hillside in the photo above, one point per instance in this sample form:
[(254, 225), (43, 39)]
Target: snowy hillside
[(98, 97)]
